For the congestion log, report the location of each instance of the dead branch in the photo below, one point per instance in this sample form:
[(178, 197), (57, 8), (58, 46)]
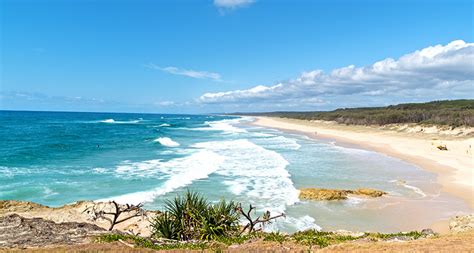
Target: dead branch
[(132, 210), (252, 223)]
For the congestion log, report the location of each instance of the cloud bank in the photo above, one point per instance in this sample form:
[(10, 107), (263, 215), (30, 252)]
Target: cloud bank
[(189, 73), (434, 72)]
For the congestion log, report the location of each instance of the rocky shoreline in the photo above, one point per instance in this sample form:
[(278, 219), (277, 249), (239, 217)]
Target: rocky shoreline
[(336, 194), (80, 212)]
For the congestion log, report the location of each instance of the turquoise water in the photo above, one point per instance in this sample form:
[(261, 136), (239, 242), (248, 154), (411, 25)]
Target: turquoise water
[(56, 158)]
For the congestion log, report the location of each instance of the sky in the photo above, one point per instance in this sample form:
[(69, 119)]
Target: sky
[(213, 56)]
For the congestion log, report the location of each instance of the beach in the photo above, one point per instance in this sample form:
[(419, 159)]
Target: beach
[(453, 166)]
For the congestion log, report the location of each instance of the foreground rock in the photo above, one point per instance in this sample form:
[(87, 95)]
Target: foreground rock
[(335, 194), (17, 231), (80, 212), (460, 224)]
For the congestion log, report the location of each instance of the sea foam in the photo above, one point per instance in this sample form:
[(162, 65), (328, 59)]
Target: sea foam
[(165, 141), (226, 126), (112, 121), (179, 172), (255, 172), (282, 142)]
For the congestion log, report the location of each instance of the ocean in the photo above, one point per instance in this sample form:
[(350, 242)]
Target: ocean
[(57, 158)]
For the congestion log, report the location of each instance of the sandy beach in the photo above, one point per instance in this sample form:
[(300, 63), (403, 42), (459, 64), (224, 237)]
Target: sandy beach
[(455, 166)]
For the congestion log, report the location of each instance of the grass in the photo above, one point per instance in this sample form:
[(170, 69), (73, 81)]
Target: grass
[(310, 238), (452, 113), (148, 243), (320, 238), (275, 237)]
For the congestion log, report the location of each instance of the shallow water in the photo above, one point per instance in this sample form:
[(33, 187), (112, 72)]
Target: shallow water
[(58, 158)]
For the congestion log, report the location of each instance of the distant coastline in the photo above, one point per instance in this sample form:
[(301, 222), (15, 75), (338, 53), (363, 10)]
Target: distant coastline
[(453, 166)]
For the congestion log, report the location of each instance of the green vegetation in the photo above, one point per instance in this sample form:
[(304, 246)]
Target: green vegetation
[(320, 238), (449, 112), (412, 234), (192, 217), (192, 222), (151, 244), (275, 237)]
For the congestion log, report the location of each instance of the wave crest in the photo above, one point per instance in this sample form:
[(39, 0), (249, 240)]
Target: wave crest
[(180, 172), (112, 121), (167, 142)]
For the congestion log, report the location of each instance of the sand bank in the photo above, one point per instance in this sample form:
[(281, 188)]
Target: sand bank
[(454, 166)]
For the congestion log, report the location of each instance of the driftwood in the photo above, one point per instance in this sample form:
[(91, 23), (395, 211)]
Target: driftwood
[(114, 216), (251, 226)]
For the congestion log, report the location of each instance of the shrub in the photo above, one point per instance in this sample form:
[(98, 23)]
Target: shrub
[(192, 217)]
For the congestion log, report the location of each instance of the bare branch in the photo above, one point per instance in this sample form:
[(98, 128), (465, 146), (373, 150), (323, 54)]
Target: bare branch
[(250, 227), (135, 210)]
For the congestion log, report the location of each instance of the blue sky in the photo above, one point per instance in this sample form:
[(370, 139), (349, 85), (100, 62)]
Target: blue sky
[(232, 55)]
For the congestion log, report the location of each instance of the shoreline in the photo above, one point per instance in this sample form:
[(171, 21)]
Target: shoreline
[(453, 167)]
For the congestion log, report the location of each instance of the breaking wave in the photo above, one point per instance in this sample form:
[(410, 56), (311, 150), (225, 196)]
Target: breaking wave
[(167, 142), (179, 172), (255, 172), (112, 121)]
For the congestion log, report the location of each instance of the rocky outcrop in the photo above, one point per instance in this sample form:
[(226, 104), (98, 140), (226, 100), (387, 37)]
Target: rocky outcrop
[(322, 194), (17, 231), (368, 192), (81, 212), (335, 194), (459, 224)]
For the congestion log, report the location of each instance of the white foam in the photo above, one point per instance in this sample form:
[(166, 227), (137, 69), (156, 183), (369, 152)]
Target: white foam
[(411, 187), (226, 126), (180, 172), (415, 189), (255, 172), (354, 201), (112, 121), (300, 224), (282, 142), (177, 151), (164, 125), (48, 192), (257, 134), (165, 141), (99, 170), (354, 151)]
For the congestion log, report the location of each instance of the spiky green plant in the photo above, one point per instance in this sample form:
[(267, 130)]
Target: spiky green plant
[(220, 219), (191, 216), (166, 227)]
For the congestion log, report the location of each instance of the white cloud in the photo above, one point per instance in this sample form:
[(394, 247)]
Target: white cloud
[(189, 73), (434, 72), (232, 4)]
